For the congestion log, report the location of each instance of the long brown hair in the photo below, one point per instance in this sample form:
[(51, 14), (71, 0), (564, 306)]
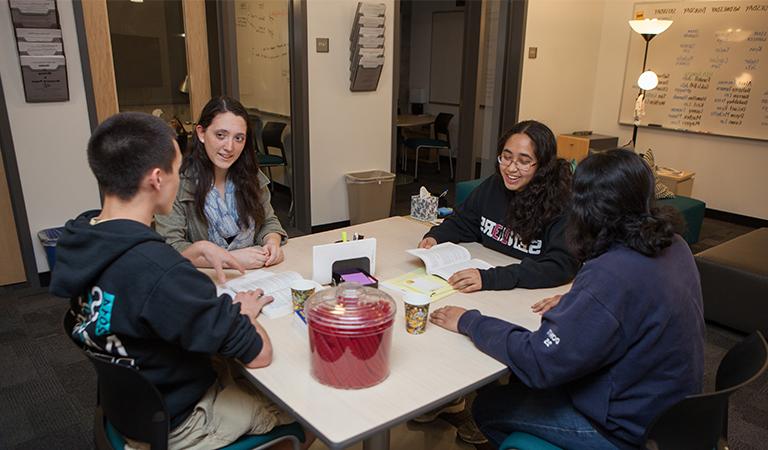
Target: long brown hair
[(243, 172)]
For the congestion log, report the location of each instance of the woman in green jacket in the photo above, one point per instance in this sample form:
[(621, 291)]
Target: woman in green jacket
[(223, 196)]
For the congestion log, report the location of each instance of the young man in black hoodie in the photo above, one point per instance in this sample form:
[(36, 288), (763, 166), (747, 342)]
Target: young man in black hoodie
[(137, 299)]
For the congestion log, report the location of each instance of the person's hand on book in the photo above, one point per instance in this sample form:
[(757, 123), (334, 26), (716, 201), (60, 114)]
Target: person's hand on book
[(252, 302), (546, 304), (466, 281), (251, 257), (447, 317), (427, 242)]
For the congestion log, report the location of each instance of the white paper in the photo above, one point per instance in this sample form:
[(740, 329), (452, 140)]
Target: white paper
[(275, 284), (447, 258)]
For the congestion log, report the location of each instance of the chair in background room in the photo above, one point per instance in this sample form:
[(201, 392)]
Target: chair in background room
[(698, 421), (272, 137), (129, 405), (441, 129)]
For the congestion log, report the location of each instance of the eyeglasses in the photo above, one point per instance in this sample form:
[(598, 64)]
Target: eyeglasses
[(523, 165)]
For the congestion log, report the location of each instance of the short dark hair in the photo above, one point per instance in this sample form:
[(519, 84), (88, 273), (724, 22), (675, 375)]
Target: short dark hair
[(545, 198), (125, 147), (613, 203)]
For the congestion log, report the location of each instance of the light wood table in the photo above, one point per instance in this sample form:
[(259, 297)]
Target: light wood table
[(414, 120), (426, 370)]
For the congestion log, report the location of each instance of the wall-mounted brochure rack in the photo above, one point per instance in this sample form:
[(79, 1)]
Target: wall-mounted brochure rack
[(366, 47)]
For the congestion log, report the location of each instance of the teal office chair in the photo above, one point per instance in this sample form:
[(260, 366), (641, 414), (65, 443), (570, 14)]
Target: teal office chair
[(698, 421), (129, 405), (272, 137), (441, 129), (464, 188)]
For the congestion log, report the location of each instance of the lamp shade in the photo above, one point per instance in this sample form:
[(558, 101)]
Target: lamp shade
[(650, 26), (648, 80)]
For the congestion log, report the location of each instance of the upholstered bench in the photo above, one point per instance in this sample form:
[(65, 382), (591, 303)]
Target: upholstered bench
[(734, 281), (692, 211)]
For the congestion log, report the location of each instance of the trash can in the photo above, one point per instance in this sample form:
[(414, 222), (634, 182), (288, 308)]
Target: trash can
[(370, 195), (49, 237)]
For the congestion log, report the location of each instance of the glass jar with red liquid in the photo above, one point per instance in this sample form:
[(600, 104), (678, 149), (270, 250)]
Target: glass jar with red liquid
[(350, 335)]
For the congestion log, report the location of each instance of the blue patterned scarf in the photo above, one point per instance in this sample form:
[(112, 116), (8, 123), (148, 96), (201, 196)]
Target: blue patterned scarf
[(222, 219)]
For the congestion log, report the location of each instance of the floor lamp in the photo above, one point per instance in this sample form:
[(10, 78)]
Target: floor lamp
[(648, 29)]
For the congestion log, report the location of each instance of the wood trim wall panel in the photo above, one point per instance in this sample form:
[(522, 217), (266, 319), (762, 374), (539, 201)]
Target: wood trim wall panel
[(11, 263), (197, 55), (96, 23)]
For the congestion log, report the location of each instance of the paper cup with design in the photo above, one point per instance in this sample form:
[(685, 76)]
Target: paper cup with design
[(301, 290), (416, 312)]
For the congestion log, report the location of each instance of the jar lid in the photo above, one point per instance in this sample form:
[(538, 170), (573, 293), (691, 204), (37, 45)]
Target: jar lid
[(350, 307)]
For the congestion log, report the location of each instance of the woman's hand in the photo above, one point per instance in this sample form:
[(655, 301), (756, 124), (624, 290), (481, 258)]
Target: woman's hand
[(466, 281), (251, 257), (447, 317), (274, 251), (427, 242), (546, 304), (208, 254)]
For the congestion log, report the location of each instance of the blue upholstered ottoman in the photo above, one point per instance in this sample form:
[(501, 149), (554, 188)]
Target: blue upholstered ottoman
[(692, 211)]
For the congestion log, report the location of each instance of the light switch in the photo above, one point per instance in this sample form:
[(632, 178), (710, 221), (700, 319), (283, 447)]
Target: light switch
[(322, 45), (532, 51)]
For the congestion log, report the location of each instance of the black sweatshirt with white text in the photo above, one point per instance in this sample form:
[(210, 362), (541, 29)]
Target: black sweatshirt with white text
[(544, 262)]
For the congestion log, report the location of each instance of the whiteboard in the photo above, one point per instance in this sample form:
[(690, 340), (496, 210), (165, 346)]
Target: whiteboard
[(712, 65), (262, 55), (445, 57)]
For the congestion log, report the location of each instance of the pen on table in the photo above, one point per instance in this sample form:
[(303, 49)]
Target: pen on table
[(441, 291), (654, 125), (343, 236)]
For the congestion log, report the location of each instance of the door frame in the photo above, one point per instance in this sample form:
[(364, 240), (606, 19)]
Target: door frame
[(18, 208)]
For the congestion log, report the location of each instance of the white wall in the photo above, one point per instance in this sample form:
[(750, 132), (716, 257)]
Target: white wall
[(49, 138), (558, 86), (730, 172), (348, 131)]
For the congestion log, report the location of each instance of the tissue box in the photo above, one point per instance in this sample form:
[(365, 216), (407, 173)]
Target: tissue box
[(424, 208)]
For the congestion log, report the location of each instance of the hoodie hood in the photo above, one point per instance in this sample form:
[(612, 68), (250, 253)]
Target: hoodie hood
[(83, 251)]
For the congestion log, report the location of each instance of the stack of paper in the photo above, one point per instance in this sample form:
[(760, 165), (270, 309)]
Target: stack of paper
[(366, 47)]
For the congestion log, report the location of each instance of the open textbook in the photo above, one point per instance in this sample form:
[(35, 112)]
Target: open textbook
[(447, 258), (275, 284)]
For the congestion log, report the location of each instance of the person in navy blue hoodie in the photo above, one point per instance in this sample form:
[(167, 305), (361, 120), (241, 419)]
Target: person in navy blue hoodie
[(624, 344), (137, 299), (517, 211)]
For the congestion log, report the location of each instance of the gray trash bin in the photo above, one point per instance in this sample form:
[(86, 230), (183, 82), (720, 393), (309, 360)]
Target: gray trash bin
[(370, 195)]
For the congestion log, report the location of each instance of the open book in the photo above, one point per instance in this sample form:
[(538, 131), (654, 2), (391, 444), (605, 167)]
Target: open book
[(447, 258), (275, 284)]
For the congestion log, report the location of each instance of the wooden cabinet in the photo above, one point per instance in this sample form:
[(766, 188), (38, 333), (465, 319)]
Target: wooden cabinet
[(570, 146), (679, 182)]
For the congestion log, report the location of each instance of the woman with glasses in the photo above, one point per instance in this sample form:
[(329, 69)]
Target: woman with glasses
[(517, 211), (623, 345)]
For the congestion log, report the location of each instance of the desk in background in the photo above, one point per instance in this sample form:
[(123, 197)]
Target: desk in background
[(412, 121), (426, 370), (572, 147)]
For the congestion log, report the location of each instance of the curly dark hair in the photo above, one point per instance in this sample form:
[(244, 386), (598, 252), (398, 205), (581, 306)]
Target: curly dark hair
[(546, 196), (243, 172), (613, 203)]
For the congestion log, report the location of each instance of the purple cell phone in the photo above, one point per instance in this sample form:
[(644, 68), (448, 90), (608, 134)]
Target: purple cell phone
[(357, 277)]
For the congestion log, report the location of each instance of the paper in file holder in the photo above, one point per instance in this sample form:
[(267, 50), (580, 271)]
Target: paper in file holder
[(366, 47), (326, 258)]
